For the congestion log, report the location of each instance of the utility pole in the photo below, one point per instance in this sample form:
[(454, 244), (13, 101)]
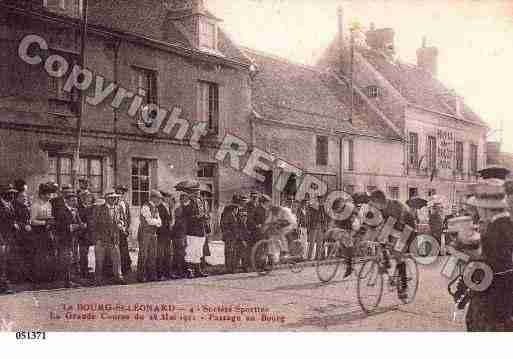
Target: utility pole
[(76, 157), (351, 79)]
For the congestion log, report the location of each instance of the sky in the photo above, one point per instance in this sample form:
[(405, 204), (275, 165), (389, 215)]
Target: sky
[(474, 39)]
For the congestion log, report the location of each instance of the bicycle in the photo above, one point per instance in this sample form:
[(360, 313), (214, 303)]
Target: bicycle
[(333, 256), (262, 260), (373, 272)]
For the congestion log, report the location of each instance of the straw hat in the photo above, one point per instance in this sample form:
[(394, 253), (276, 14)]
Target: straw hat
[(489, 194), (111, 193), (156, 194)]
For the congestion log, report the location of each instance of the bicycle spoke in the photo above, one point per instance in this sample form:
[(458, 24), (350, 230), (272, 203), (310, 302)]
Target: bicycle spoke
[(369, 286), (329, 263)]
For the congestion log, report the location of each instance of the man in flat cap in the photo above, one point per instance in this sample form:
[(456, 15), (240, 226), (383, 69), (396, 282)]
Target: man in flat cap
[(124, 234), (9, 228), (149, 222)]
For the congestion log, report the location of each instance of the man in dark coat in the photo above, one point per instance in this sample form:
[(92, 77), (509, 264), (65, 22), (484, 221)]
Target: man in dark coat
[(436, 222), (68, 227), (85, 237), (165, 209), (9, 229), (179, 238), (196, 216), (124, 234), (232, 227), (492, 309), (256, 215), (23, 243)]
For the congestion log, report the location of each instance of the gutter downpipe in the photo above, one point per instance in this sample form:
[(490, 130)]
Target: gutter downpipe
[(341, 162), (117, 44)]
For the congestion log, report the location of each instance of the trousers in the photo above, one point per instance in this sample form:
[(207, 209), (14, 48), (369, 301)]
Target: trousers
[(147, 259), (103, 249)]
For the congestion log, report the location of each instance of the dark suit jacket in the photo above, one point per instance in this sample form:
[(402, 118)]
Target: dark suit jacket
[(7, 220), (64, 218), (164, 232), (105, 227), (57, 204), (195, 219), (496, 303)]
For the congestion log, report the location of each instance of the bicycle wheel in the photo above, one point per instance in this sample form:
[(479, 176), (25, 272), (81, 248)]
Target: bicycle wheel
[(412, 279), (369, 288), (261, 260), (330, 260)]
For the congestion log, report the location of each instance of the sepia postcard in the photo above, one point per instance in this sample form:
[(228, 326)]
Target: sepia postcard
[(255, 165)]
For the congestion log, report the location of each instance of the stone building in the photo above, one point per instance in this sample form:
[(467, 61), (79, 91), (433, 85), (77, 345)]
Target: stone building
[(302, 116), (171, 53), (402, 131), (443, 142)]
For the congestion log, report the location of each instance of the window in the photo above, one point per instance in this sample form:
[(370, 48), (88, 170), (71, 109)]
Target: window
[(207, 34), (358, 101), (414, 150), (459, 156), (209, 105), (321, 150), (432, 152), (393, 192), (206, 174), (373, 91), (473, 159), (206, 170), (141, 180), (90, 168), (60, 101), (147, 80), (350, 155), (413, 192)]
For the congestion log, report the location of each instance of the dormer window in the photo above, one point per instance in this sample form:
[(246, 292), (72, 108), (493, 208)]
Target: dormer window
[(373, 91), (207, 34)]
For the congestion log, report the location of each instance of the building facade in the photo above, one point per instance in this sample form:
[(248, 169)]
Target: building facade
[(443, 140), (171, 54)]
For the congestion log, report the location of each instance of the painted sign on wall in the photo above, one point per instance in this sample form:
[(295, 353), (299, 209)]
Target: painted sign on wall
[(445, 141)]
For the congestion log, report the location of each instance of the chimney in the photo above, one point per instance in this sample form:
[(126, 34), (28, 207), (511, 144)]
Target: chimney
[(381, 40), (427, 58)]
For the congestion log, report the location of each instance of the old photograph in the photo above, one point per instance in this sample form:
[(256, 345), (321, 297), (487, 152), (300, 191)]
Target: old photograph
[(256, 166)]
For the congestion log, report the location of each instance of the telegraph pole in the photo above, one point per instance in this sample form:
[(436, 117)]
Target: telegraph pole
[(351, 78), (76, 157)]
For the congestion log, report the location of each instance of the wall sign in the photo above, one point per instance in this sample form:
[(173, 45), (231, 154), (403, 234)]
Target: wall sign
[(445, 141)]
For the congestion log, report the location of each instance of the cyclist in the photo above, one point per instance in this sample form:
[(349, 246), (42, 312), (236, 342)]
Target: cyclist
[(278, 224), (394, 208), (343, 231)]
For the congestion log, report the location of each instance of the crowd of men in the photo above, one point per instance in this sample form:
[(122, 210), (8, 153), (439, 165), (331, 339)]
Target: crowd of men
[(49, 239)]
